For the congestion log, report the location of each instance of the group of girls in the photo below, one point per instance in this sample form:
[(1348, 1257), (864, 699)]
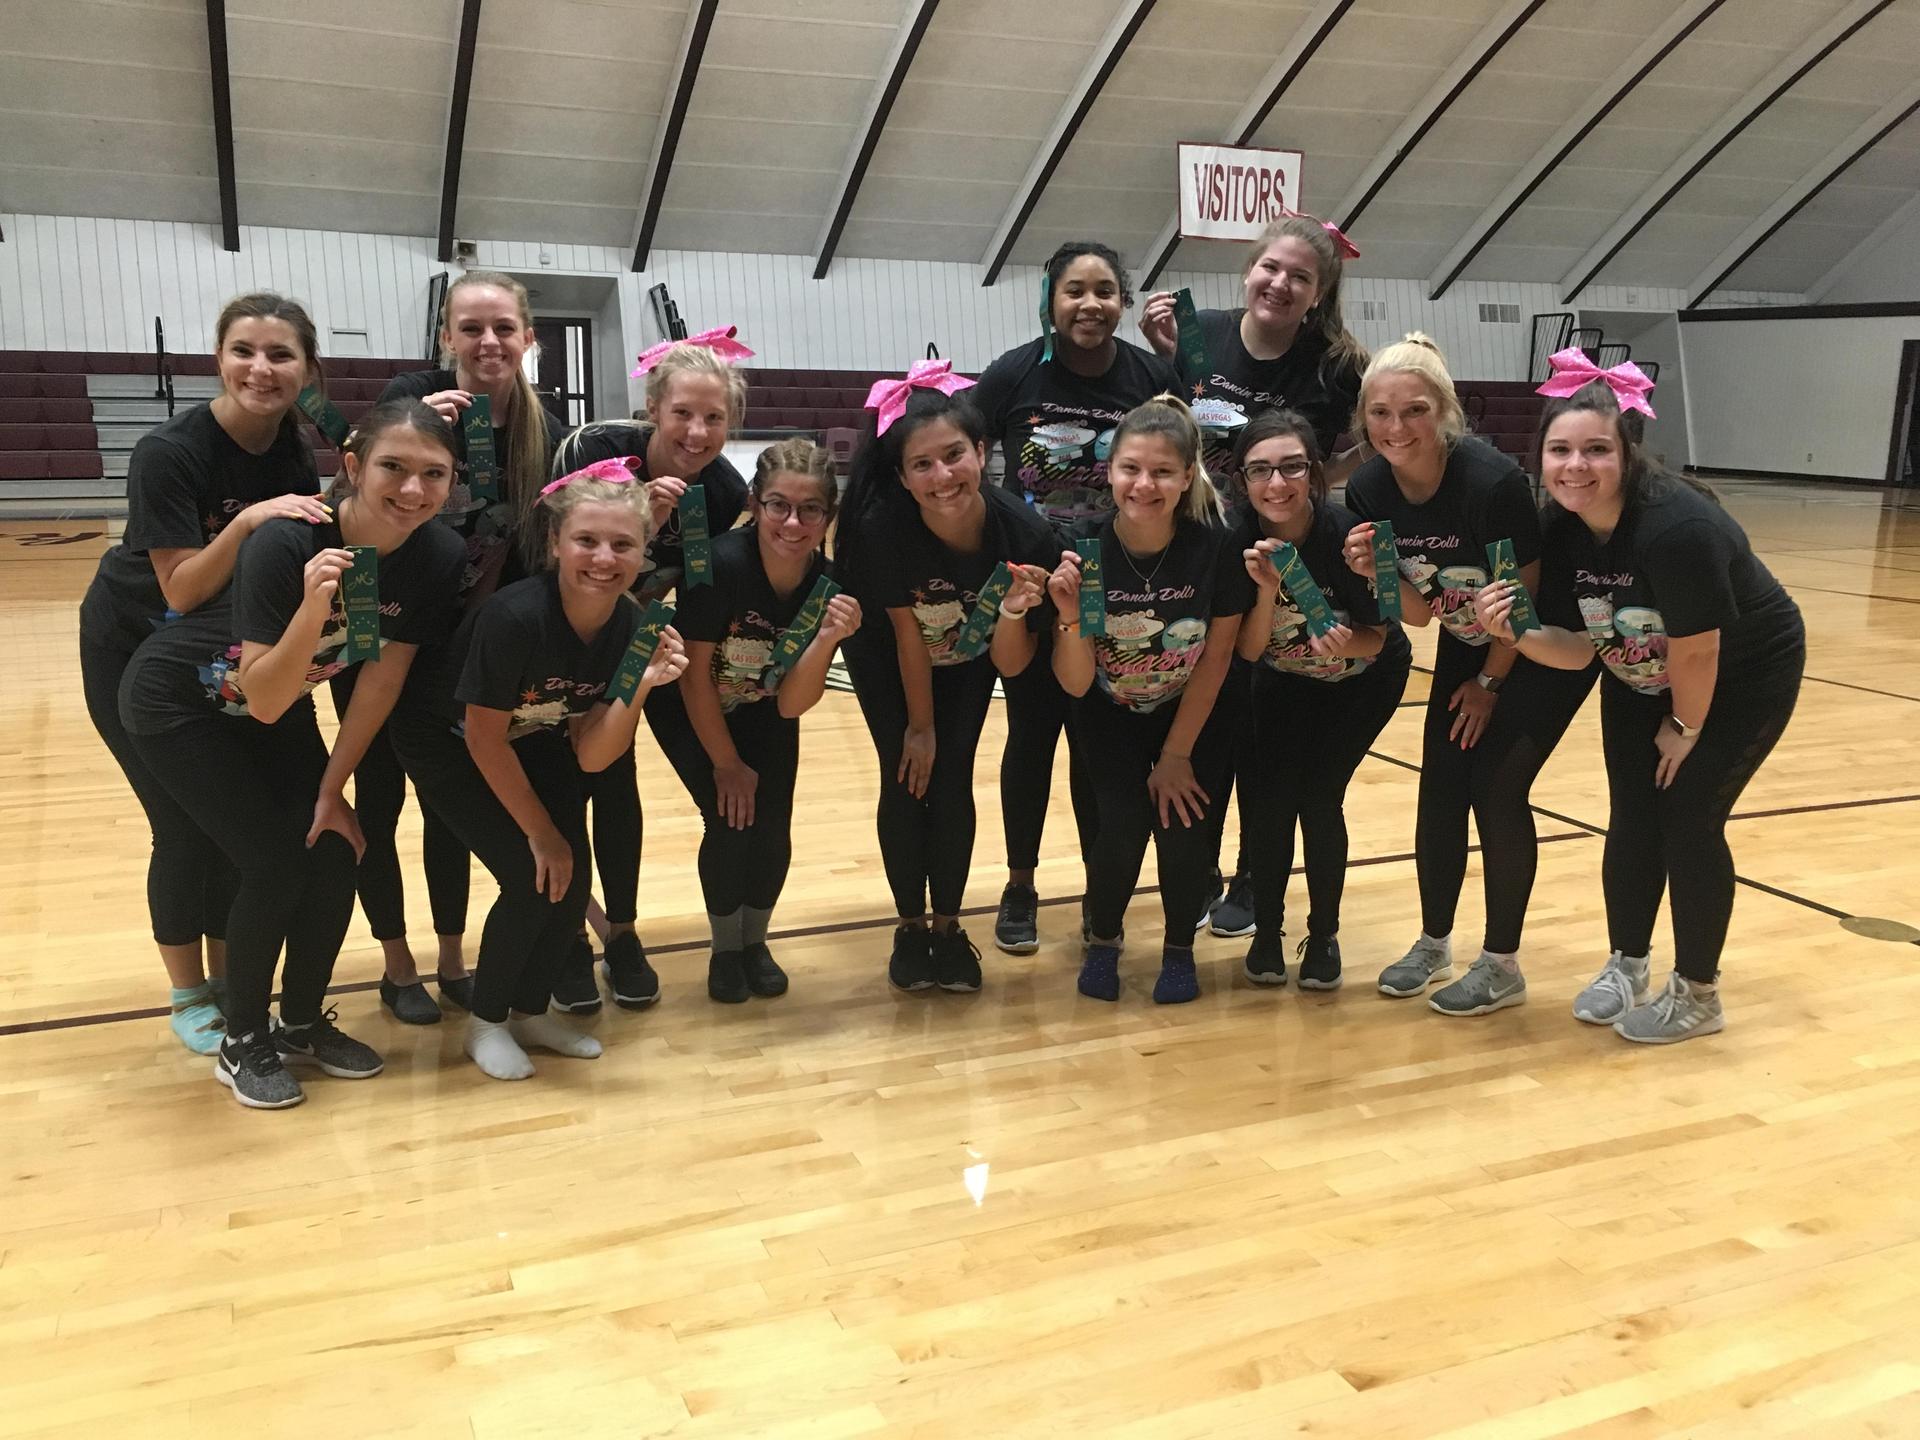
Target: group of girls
[(233, 595)]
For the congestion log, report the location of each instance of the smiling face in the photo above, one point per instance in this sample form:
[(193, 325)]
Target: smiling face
[(401, 480), (1284, 494), (1149, 479), (1402, 419), (791, 513), (1283, 284), (1087, 302), (263, 367), (941, 468), (1582, 466), (487, 335), (690, 425), (598, 547)]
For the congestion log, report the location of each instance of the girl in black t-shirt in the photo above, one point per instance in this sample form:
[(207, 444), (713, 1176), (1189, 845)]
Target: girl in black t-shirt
[(1319, 699), (217, 704), (694, 398), (1492, 718), (1145, 689), (1051, 405), (495, 738), (1704, 654), (732, 727), (197, 486), (919, 539)]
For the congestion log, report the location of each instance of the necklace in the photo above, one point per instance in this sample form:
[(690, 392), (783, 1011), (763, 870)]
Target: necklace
[(1147, 579)]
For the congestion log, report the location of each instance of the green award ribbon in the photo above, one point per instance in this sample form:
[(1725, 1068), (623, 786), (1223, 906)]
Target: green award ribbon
[(483, 466), (1386, 570), (646, 638), (360, 598), (1505, 566), (695, 543), (1093, 589), (979, 627), (797, 636), (327, 420), (1306, 594), (1193, 345)]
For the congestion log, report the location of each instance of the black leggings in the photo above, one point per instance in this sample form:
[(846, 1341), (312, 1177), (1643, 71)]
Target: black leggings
[(737, 867), (1310, 736), (1676, 839), (190, 885), (1492, 781), (1233, 710), (379, 790), (526, 934), (619, 826), (252, 787), (1121, 746), (1037, 711), (927, 843)]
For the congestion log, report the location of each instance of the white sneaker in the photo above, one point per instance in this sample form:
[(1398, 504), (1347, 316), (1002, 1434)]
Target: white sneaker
[(1620, 985), (1679, 1012)]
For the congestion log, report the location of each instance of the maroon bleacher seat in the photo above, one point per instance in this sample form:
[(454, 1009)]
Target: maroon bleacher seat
[(72, 437), (23, 464), (22, 437), (822, 398), (193, 365), (121, 362), (75, 465)]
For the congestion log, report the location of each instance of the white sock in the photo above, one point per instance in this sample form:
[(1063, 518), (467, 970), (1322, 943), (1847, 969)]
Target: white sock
[(1509, 963), (1636, 963), (1439, 944), (549, 1033), (495, 1051)]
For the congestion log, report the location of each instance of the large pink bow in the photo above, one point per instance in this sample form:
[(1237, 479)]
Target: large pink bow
[(611, 472), (1342, 246), (1573, 370), (888, 398), (719, 340)]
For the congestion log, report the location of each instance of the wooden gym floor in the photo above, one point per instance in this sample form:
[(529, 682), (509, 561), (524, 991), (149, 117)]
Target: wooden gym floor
[(851, 1212)]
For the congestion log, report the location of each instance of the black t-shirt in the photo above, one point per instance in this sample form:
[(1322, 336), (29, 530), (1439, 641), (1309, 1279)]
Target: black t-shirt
[(516, 652), (666, 558), (1159, 608), (1238, 387), (907, 567), (1483, 496), (1676, 565), (488, 527), (1352, 598), (190, 668), (186, 480), (1055, 428), (741, 616)]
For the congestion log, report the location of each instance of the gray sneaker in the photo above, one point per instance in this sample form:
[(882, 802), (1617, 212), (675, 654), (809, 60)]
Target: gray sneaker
[(1620, 986), (1486, 987), (249, 1065), (324, 1046), (1420, 967), (1679, 1012)]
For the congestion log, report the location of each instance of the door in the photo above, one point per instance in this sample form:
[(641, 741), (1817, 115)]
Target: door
[(565, 373)]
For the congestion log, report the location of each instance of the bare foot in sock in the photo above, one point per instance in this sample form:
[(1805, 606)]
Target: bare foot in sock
[(548, 1033), (495, 1050)]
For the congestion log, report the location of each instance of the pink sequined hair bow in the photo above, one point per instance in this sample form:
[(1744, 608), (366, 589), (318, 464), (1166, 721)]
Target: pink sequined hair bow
[(610, 472), (719, 340), (888, 398), (1572, 371)]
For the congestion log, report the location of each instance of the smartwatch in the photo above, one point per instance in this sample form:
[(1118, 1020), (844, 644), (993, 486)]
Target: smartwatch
[(1491, 683), (1681, 728)]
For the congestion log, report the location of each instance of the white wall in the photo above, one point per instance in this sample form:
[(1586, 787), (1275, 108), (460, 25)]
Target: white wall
[(1886, 268), (1804, 397)]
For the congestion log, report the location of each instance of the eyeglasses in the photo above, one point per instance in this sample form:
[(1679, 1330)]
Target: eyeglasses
[(1258, 472), (779, 510)]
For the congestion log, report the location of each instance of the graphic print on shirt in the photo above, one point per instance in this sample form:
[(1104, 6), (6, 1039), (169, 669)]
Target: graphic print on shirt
[(940, 608), (1143, 660), (551, 701), (221, 674), (1062, 465), (1289, 651), (1631, 641), (1456, 585), (740, 660)]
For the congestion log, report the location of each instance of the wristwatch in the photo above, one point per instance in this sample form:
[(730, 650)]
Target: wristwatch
[(1681, 728), (1491, 683)]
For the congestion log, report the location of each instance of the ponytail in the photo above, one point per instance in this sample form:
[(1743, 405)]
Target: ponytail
[(1169, 417)]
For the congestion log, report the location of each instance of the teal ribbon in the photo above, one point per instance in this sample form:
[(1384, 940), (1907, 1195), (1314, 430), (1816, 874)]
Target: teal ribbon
[(1305, 591), (797, 636), (1386, 570), (646, 639), (978, 630), (695, 543), (327, 420), (1046, 317), (1093, 589), (1193, 344), (360, 598), (1505, 565), (483, 466)]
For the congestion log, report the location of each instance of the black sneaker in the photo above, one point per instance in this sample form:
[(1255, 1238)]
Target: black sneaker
[(631, 979), (324, 1046), (1319, 962), (727, 978), (956, 961), (1233, 911), (249, 1065), (1266, 961), (765, 978), (458, 990), (1016, 929), (911, 967), (410, 1004), (1086, 931), (1211, 899), (574, 988)]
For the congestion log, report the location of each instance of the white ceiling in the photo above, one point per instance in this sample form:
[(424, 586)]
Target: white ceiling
[(340, 114)]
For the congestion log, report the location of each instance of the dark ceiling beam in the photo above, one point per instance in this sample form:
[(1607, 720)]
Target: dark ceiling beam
[(1492, 38), (457, 124), (1890, 118), (913, 29), (1106, 58), (223, 122), (1688, 18), (1790, 72), (666, 139), (1301, 49)]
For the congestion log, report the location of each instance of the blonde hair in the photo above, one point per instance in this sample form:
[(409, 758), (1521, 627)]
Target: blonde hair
[(685, 359), (1168, 417), (1344, 352), (556, 505), (1418, 356), (524, 467)]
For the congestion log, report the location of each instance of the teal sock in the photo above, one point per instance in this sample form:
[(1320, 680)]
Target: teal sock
[(196, 1021), (728, 931), (753, 925)]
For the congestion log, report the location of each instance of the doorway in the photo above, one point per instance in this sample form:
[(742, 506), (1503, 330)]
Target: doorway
[(565, 368), (1903, 451)]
